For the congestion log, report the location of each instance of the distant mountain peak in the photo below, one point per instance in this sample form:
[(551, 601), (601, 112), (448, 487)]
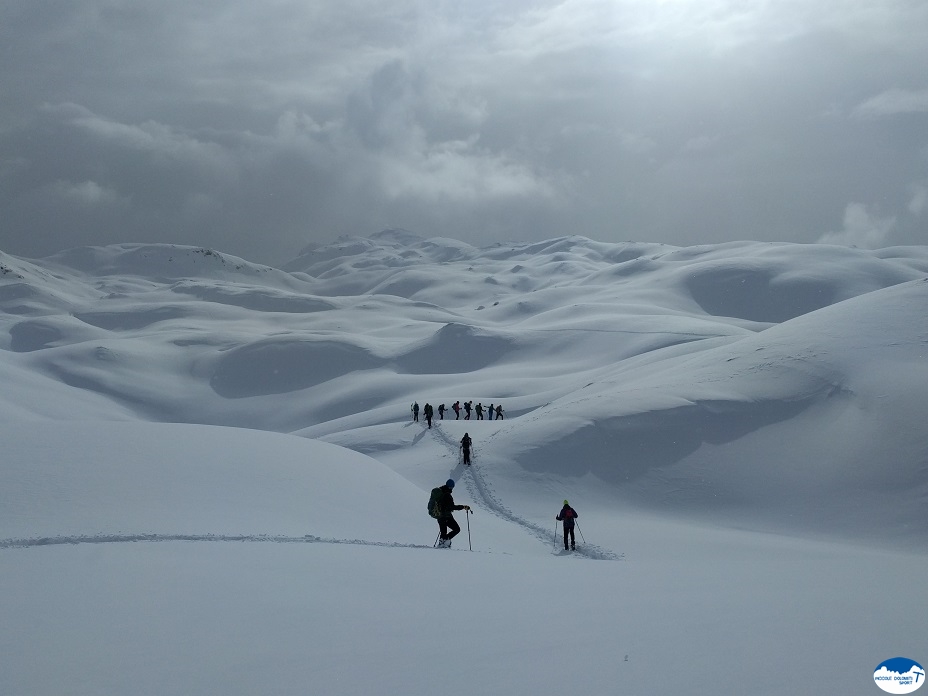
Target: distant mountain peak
[(397, 236)]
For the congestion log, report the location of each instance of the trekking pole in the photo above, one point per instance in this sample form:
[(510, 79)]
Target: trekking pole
[(555, 535), (469, 513), (581, 532), (436, 539)]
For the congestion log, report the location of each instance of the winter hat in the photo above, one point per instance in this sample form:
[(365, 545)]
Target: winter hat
[(566, 503), (450, 483)]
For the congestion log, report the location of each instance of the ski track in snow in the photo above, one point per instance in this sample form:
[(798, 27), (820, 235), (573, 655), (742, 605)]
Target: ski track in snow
[(476, 483), (224, 538), (251, 538), (481, 492)]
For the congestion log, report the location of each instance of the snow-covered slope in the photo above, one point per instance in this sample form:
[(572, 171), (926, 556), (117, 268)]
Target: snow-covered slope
[(211, 482), (158, 558), (761, 385)]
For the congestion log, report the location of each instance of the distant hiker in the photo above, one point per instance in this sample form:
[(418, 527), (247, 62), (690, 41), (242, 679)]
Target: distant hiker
[(499, 412), (415, 411), (427, 410), (490, 412), (479, 411), (456, 407), (467, 407), (465, 447), (441, 505), (441, 411), (568, 515)]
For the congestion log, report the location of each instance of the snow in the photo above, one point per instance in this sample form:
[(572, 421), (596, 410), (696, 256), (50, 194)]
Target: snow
[(211, 482)]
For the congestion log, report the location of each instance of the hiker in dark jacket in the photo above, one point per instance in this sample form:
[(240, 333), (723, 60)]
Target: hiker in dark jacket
[(568, 515), (427, 410), (447, 525), (466, 442)]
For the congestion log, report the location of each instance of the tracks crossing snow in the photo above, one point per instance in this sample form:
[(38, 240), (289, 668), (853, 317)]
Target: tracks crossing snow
[(482, 493), (230, 538), (473, 477)]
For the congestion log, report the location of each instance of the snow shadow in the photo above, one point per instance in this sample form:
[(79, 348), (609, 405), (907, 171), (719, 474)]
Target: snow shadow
[(132, 318), (454, 349), (253, 298), (757, 294), (620, 450), (28, 336), (285, 364), (25, 299)]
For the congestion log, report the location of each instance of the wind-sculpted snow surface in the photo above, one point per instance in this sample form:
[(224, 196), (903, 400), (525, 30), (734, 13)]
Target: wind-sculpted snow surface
[(659, 371)]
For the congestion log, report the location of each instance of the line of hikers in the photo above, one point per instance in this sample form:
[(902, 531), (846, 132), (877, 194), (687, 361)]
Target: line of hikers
[(466, 442), (442, 505), (427, 410)]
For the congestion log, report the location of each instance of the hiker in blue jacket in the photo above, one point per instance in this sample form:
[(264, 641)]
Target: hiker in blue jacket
[(447, 525), (568, 515)]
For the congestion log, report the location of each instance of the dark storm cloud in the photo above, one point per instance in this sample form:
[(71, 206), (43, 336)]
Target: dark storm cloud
[(257, 128)]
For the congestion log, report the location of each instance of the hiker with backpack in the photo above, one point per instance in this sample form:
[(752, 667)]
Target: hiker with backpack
[(568, 515), (427, 409), (466, 442), (441, 505), (415, 411)]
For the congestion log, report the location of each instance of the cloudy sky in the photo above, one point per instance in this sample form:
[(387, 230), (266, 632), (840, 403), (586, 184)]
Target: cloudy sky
[(257, 128)]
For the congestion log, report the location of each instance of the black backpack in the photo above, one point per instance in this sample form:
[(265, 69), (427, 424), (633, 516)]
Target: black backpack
[(434, 509)]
